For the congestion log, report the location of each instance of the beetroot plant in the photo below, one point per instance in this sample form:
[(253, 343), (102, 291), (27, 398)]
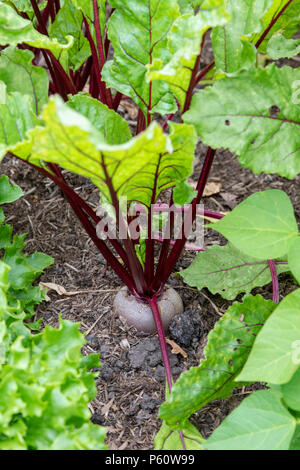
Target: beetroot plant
[(65, 66)]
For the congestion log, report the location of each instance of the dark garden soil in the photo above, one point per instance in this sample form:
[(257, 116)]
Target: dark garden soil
[(131, 381)]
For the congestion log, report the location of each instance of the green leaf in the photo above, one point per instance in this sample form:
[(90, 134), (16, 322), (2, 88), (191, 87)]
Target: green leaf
[(275, 355), (262, 127), (294, 258), (227, 271), (138, 169), (232, 51), (109, 123), (183, 193), (138, 37), (290, 392), (169, 439), (184, 46), (8, 193), (261, 422), (288, 22), (295, 444), (20, 75), (16, 30), (232, 337), (279, 46), (69, 22), (263, 225), (17, 116)]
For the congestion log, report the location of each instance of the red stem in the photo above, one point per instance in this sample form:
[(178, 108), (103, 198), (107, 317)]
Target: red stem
[(275, 282), (266, 32)]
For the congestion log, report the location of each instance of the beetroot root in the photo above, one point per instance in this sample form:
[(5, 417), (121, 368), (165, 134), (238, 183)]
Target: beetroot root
[(138, 314)]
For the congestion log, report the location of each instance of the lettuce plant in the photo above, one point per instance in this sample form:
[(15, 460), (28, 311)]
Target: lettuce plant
[(65, 66), (45, 385)]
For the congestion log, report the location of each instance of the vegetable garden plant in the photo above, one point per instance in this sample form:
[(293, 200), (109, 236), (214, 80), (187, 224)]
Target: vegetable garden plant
[(64, 68)]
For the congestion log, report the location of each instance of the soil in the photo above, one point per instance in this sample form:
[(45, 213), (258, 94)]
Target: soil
[(131, 381)]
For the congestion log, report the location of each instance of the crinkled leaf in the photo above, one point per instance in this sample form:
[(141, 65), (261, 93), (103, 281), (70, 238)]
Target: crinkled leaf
[(184, 45), (138, 35), (261, 126), (17, 116), (16, 30), (261, 422), (113, 127), (294, 258), (8, 193), (227, 271), (232, 339), (232, 51), (69, 22), (275, 355), (169, 439), (20, 75), (279, 46), (288, 22), (138, 169), (262, 226)]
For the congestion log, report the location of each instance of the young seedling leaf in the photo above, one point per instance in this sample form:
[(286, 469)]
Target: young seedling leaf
[(279, 46), (8, 193), (232, 50), (227, 271), (138, 36), (261, 124), (184, 45), (294, 258), (138, 169), (275, 355), (232, 339), (169, 439), (262, 226), (261, 422), (20, 75)]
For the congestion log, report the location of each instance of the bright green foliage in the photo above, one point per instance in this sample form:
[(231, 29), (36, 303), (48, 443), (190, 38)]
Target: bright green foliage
[(294, 258), (139, 169), (15, 30), (69, 22), (111, 125), (232, 338), (261, 126), (24, 268), (232, 50), (290, 390), (44, 391), (138, 35), (184, 46), (261, 422), (279, 46), (227, 271), (17, 116), (8, 193), (169, 439), (183, 193), (295, 444), (275, 354), (263, 225), (288, 22), (20, 75)]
